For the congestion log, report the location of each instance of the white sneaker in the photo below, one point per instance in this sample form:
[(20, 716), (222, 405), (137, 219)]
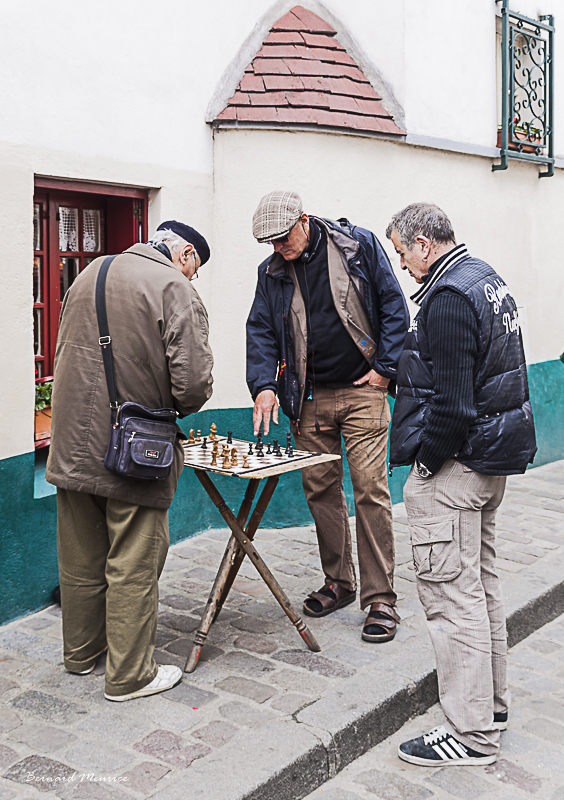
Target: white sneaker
[(167, 677)]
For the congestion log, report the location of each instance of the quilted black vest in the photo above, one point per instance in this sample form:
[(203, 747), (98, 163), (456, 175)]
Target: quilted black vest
[(502, 439)]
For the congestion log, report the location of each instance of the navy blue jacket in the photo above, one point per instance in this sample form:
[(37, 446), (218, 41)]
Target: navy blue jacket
[(270, 354)]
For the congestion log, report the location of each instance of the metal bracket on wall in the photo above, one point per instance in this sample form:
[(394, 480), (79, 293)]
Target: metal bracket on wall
[(527, 90)]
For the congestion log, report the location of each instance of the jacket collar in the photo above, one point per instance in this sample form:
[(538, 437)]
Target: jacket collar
[(438, 269), (146, 251), (345, 243)]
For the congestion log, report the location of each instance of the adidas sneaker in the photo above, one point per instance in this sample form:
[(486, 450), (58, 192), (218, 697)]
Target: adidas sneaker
[(439, 748)]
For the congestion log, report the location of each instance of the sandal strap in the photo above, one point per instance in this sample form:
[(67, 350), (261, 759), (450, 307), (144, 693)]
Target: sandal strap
[(387, 611), (328, 602)]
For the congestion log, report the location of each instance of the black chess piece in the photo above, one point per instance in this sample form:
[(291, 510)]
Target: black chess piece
[(205, 443), (259, 449), (259, 438), (268, 450), (229, 437), (275, 444), (290, 451), (250, 449)]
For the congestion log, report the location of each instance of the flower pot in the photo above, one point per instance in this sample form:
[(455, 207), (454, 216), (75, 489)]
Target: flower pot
[(528, 146), (43, 424)]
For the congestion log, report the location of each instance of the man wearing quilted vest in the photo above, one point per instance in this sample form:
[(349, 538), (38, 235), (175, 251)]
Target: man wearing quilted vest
[(463, 421)]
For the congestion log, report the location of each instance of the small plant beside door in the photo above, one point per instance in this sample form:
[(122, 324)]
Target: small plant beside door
[(43, 394)]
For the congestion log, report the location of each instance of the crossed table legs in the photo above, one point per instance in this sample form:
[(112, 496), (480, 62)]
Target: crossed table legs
[(240, 545)]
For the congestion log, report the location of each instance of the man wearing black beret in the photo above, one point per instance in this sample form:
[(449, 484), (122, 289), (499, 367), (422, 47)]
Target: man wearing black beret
[(112, 532)]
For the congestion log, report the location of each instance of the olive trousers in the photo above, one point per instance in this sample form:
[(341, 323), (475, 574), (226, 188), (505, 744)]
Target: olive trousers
[(358, 416), (111, 554)]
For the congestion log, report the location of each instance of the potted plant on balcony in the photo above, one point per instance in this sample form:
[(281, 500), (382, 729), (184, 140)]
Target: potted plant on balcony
[(530, 137), (43, 393)]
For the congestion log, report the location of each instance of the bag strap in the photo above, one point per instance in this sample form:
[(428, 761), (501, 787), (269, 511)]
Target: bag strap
[(105, 340)]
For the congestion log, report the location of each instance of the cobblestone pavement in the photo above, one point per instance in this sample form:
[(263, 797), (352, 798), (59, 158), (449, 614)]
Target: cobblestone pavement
[(531, 763), (255, 670)]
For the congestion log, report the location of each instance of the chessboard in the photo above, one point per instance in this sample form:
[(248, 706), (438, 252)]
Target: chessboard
[(245, 459)]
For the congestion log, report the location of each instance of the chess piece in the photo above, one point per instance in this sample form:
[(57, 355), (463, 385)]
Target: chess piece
[(214, 458), (259, 438), (268, 450), (288, 443), (205, 444), (245, 462), (229, 437), (278, 453), (198, 436), (191, 436), (213, 431), (224, 451), (215, 447), (234, 457), (226, 462), (290, 451), (250, 449)]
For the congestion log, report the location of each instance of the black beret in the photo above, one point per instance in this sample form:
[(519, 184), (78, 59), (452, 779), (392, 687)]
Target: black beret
[(190, 235)]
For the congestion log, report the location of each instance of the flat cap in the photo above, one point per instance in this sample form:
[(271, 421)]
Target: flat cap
[(189, 235), (276, 215)]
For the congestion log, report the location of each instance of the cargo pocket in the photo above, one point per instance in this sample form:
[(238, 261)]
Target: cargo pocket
[(436, 549)]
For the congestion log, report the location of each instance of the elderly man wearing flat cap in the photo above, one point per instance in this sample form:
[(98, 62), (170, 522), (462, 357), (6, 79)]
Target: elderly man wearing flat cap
[(324, 337), (112, 532)]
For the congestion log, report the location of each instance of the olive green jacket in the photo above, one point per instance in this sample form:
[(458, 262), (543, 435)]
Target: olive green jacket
[(162, 359)]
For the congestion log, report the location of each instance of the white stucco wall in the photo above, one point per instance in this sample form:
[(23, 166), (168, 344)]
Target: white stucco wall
[(507, 219)]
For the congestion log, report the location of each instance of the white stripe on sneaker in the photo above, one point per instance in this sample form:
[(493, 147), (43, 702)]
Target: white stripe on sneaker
[(439, 752), (457, 746), (450, 753)]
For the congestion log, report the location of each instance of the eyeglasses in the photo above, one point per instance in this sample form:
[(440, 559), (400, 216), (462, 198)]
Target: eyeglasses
[(196, 264), (283, 239)]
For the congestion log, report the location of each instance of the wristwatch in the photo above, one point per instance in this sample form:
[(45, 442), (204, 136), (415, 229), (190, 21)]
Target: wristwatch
[(422, 470)]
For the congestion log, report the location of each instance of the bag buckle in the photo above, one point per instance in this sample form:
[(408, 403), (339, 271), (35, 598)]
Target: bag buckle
[(103, 341)]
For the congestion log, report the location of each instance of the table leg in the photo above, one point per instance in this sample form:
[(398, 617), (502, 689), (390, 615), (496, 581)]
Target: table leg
[(250, 530), (218, 593), (255, 558)]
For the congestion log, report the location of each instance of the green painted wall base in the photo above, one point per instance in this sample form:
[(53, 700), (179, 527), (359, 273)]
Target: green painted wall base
[(28, 557)]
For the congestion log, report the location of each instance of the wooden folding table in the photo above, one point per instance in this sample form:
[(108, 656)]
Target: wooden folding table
[(242, 534)]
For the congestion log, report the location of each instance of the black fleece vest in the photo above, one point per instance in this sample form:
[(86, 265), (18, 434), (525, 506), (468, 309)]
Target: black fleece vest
[(501, 440)]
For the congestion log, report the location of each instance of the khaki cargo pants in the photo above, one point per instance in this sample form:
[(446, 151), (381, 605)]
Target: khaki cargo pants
[(111, 554), (452, 528)]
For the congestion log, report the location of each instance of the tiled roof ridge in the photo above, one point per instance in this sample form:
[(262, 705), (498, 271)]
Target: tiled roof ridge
[(303, 76)]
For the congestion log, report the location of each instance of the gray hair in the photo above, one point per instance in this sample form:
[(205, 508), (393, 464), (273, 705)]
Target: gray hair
[(421, 219), (173, 240)]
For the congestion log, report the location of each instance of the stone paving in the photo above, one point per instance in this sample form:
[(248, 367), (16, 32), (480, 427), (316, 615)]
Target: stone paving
[(255, 671), (531, 763)]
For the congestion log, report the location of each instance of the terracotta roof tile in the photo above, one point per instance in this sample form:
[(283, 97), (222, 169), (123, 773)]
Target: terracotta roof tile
[(274, 83), (299, 19), (285, 37), (303, 76), (251, 83)]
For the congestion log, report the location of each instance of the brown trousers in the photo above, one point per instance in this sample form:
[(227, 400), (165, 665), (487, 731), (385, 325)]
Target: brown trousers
[(452, 527), (111, 554), (360, 414)]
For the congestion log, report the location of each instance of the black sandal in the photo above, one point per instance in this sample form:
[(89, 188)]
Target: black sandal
[(328, 599), (381, 623)]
